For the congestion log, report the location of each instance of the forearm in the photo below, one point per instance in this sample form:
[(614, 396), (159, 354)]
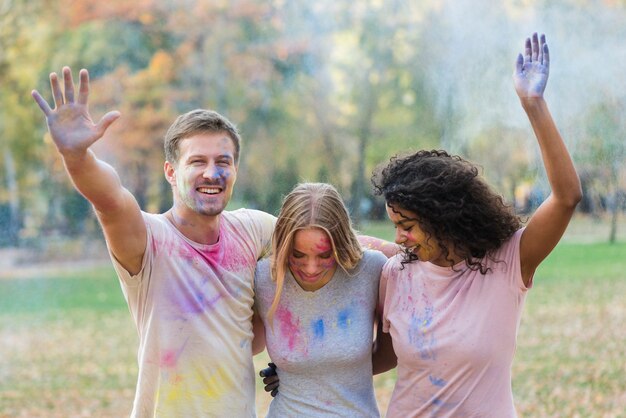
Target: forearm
[(372, 243), (383, 356), (559, 167), (258, 329), (96, 180)]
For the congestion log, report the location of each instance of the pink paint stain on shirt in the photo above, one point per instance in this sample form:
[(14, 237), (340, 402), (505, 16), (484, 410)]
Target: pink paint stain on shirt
[(289, 327), (169, 358)]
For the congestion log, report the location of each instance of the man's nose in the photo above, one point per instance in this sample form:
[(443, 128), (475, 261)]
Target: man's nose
[(212, 171)]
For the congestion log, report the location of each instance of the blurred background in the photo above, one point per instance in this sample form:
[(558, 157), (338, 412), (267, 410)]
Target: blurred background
[(321, 91)]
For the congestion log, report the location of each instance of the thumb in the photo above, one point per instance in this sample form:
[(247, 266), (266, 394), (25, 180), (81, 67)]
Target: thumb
[(519, 63), (106, 121)]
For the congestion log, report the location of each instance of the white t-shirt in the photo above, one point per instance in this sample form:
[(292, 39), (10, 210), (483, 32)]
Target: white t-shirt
[(192, 305)]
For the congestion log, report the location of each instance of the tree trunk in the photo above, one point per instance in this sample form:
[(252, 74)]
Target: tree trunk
[(613, 210), (14, 199), (364, 133)]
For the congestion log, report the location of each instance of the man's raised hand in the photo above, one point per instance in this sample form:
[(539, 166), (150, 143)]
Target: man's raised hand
[(70, 124)]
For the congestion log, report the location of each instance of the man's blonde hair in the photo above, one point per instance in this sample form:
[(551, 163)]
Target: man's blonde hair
[(197, 122)]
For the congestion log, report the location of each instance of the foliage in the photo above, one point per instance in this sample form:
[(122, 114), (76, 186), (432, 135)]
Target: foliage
[(320, 90)]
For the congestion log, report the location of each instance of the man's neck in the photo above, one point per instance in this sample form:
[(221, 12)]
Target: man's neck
[(202, 229)]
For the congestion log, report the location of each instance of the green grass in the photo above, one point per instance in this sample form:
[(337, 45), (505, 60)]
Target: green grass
[(68, 343), (95, 290), (575, 262)]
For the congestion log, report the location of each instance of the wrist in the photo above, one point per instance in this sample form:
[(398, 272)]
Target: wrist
[(75, 158), (533, 104)]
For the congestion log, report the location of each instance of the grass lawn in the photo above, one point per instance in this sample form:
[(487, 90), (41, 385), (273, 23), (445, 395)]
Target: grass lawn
[(68, 345)]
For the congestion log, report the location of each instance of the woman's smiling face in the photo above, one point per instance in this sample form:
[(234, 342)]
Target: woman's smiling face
[(410, 235), (312, 262)]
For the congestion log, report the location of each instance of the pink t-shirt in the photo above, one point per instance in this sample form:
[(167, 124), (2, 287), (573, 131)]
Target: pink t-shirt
[(454, 333), (192, 305)]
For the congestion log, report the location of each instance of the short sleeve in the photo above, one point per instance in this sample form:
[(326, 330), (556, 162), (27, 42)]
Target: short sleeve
[(263, 229)]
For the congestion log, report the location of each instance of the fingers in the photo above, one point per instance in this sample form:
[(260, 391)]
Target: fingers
[(546, 56), (43, 104), (83, 87), (68, 84), (272, 386), (56, 90), (269, 371), (535, 48), (270, 379), (270, 383), (519, 63), (106, 121), (527, 51), (61, 97)]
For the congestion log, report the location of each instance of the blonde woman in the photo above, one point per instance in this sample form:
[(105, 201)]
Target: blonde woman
[(317, 299)]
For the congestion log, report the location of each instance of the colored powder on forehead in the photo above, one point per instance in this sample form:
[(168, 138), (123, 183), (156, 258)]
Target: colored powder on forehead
[(323, 245)]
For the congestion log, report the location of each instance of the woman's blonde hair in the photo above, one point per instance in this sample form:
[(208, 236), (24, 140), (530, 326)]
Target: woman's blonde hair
[(312, 205)]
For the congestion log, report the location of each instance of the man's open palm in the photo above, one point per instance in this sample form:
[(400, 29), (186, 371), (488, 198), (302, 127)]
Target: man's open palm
[(70, 124)]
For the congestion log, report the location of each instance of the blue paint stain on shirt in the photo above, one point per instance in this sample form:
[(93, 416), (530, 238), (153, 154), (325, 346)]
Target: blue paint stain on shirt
[(318, 328), (343, 319), (436, 381)]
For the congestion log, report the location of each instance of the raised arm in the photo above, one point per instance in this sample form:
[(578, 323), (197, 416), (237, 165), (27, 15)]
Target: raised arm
[(73, 132), (548, 223)]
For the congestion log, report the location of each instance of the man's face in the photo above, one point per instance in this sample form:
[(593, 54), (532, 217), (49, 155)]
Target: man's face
[(204, 176)]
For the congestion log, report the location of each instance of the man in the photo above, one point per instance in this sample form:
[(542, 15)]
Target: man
[(186, 274)]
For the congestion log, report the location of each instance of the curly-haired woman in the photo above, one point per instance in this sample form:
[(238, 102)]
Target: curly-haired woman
[(452, 301)]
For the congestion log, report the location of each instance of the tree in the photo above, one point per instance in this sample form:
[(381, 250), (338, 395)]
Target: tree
[(22, 46), (606, 150)]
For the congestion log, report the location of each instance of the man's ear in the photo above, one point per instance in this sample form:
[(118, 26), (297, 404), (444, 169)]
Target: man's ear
[(170, 173)]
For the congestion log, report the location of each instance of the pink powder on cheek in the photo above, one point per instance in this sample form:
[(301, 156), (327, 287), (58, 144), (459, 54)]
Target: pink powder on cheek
[(328, 264), (295, 263)]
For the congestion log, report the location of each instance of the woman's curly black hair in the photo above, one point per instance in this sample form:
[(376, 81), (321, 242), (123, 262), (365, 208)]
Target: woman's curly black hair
[(452, 202)]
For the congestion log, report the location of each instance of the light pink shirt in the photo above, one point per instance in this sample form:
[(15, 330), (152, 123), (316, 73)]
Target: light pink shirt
[(192, 305), (454, 331)]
